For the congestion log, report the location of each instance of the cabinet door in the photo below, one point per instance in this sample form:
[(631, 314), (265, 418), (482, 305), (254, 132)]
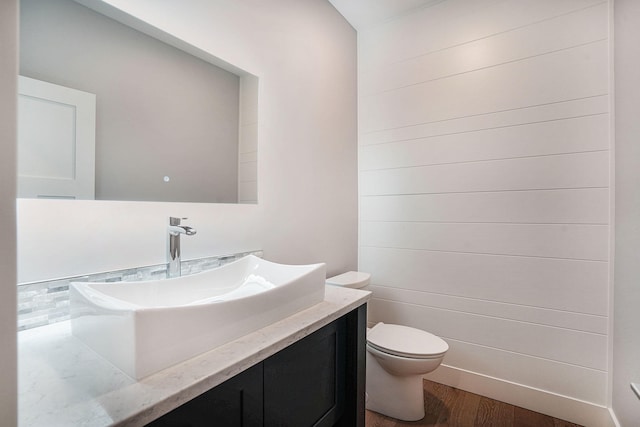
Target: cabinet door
[(304, 384), (235, 403)]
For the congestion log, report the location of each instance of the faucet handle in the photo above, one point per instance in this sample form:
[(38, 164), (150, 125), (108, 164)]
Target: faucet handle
[(175, 220)]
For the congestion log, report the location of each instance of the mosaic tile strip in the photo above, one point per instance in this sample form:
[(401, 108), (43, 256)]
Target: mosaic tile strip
[(46, 302)]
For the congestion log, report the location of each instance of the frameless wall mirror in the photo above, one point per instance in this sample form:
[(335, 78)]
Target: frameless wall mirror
[(108, 112)]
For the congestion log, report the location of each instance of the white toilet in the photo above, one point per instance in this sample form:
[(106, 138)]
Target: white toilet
[(397, 358)]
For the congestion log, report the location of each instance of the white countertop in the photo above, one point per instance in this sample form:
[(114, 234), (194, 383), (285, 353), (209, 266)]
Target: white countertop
[(61, 382)]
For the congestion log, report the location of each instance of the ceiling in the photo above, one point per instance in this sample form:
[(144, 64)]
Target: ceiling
[(362, 14)]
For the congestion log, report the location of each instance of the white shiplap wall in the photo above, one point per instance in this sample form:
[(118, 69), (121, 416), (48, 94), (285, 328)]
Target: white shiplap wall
[(484, 188), (248, 140)]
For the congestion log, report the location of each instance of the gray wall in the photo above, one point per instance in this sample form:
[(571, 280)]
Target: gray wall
[(626, 334), (160, 111), (8, 69), (305, 56)]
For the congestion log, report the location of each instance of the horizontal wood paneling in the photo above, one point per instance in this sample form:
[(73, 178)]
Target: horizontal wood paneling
[(248, 171), (453, 23), (524, 313), (562, 110), (561, 32), (249, 138), (248, 192), (561, 345), (586, 242), (568, 285), (573, 206), (556, 137), (569, 74), (556, 377), (530, 173), (484, 185), (249, 156)]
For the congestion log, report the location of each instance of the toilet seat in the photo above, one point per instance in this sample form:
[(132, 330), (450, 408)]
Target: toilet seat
[(404, 341)]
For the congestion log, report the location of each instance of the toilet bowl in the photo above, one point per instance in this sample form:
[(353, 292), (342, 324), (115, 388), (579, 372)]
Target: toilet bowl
[(397, 358)]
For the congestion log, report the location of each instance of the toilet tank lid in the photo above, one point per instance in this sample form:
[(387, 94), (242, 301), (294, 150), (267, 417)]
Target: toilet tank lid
[(407, 341), (350, 279)]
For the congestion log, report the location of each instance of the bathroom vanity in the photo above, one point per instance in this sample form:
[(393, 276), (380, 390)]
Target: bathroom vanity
[(305, 384), (307, 369)]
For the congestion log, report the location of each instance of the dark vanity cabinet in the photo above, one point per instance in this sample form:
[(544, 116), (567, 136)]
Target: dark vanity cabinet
[(236, 402), (317, 381)]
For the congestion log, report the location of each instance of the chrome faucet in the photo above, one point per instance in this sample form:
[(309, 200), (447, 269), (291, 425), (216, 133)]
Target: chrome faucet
[(173, 245)]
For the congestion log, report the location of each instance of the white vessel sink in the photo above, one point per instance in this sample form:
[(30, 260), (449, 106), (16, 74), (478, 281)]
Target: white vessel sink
[(144, 327)]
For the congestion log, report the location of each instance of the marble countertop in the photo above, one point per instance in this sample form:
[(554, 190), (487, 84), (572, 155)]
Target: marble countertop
[(61, 382)]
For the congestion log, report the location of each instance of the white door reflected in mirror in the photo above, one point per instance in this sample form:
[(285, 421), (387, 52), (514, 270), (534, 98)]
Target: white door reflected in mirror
[(56, 141)]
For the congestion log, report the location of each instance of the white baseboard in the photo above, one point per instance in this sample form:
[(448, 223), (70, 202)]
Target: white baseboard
[(614, 419), (577, 411)]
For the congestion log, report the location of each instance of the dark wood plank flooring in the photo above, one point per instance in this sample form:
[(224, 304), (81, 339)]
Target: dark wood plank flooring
[(449, 407)]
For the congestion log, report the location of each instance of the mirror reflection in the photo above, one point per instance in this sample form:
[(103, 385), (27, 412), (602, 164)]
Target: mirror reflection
[(110, 113)]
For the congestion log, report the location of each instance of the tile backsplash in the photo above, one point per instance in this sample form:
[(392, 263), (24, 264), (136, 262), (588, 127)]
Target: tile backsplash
[(45, 302)]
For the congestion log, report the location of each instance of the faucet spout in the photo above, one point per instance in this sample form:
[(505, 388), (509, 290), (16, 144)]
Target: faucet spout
[(173, 245), (176, 230)]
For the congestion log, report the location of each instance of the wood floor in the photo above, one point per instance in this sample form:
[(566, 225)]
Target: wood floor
[(450, 407)]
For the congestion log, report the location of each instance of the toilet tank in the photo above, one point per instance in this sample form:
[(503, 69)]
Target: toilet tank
[(350, 279)]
